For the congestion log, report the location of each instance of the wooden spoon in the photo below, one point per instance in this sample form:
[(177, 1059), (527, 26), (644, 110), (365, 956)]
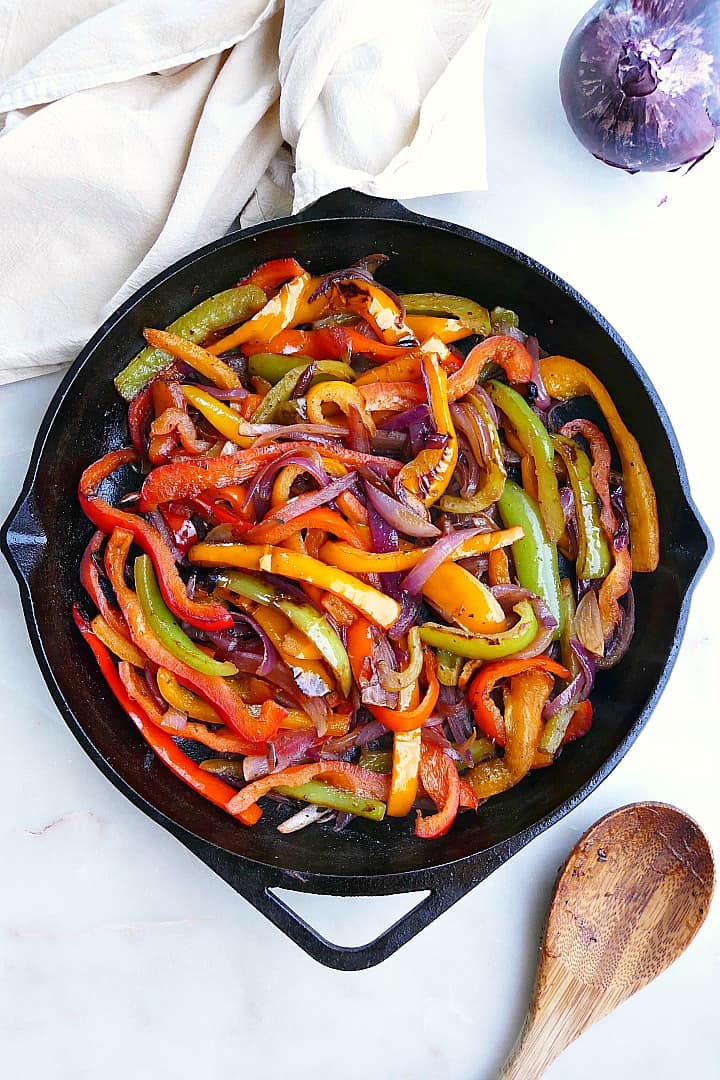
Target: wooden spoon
[(631, 898)]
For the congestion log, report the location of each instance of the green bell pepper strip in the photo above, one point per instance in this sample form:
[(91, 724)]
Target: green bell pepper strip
[(502, 320), (449, 667), (536, 559), (495, 474), (593, 559), (165, 626), (303, 616), (216, 313), (485, 646), (320, 794), (536, 441), (273, 366), (379, 761), (555, 728), (472, 315)]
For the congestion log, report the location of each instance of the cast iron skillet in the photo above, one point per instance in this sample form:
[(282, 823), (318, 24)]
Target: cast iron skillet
[(45, 534)]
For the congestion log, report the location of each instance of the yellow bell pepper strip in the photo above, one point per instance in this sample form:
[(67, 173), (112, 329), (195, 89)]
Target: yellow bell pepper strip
[(461, 598), (491, 488), (349, 557), (444, 329), (117, 643), (273, 366), (179, 697), (536, 442), (441, 781), (224, 419), (278, 313), (470, 315), (216, 313), (340, 394), (564, 379), (321, 794), (210, 787), (593, 560), (488, 717), (165, 627), (536, 559), (281, 392), (209, 366), (378, 607), (485, 646), (429, 474), (525, 700), (506, 352), (404, 778)]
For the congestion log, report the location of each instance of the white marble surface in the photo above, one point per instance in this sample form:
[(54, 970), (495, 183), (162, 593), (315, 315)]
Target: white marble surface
[(122, 956)]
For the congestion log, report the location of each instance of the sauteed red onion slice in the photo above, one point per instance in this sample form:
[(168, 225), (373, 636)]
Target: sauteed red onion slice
[(436, 556)]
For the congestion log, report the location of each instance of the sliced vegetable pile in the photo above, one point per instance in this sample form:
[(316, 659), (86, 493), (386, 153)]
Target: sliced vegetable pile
[(363, 571)]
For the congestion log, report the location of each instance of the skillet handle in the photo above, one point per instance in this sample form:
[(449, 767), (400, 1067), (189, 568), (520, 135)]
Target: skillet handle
[(22, 538), (355, 204)]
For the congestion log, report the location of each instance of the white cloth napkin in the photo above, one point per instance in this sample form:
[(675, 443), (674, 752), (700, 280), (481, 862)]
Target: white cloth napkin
[(133, 132)]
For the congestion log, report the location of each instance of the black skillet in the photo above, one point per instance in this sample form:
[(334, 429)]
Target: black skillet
[(45, 534)]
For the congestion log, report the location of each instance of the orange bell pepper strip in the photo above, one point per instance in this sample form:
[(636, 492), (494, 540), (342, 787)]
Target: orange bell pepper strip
[(349, 557), (378, 607), (213, 688), (564, 379), (392, 396), (506, 352), (463, 599), (341, 394), (90, 581), (271, 531), (405, 369), (331, 343), (404, 778), (487, 715), (217, 371), (615, 585), (440, 779), (442, 327), (428, 476), (205, 615), (288, 306), (498, 567), (271, 275), (210, 787), (339, 773), (407, 719)]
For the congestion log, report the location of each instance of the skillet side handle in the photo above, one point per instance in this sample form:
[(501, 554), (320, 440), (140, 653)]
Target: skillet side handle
[(355, 204), (22, 539)]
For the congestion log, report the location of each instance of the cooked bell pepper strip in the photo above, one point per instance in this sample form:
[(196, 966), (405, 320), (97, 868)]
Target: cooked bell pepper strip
[(565, 378), (407, 719), (506, 352), (278, 313), (536, 559), (274, 532), (272, 367), (600, 472), (481, 646), (217, 691), (117, 643), (271, 275), (321, 794), (404, 778), (90, 581), (461, 598), (403, 369), (340, 394), (581, 722), (498, 568), (429, 474), (536, 441), (615, 585), (140, 412), (209, 366), (281, 392), (564, 726), (446, 330), (205, 615), (216, 313), (293, 645), (487, 715), (593, 560), (449, 665), (376, 305), (502, 320), (184, 700), (471, 315), (334, 343), (378, 607), (183, 480), (355, 561), (361, 782), (164, 746), (491, 488), (166, 629), (224, 419), (437, 771), (392, 396), (297, 720)]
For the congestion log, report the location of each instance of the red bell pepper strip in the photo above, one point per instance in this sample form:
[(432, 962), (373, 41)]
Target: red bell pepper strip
[(615, 585), (271, 275), (487, 715), (600, 472), (205, 615), (353, 778), (183, 480), (440, 779), (207, 785), (506, 352), (332, 343), (180, 525), (90, 581), (581, 722), (214, 689)]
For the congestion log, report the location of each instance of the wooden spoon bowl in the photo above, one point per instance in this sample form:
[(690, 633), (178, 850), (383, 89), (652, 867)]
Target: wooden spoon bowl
[(630, 899)]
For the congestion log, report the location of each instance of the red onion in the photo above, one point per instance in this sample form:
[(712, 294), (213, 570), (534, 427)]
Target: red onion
[(155, 518), (436, 555), (301, 504), (401, 421), (258, 490), (359, 736), (410, 607), (151, 680), (542, 398), (325, 434), (236, 394), (487, 401), (397, 515), (619, 644), (226, 642), (580, 687), (639, 82)]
